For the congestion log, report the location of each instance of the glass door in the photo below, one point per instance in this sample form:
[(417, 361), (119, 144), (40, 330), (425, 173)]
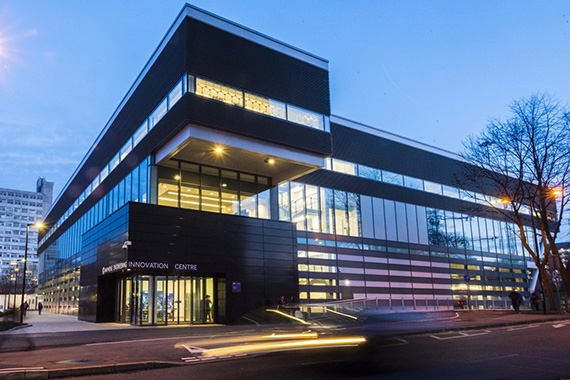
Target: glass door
[(145, 291), (185, 300), (160, 300), (124, 299), (172, 302)]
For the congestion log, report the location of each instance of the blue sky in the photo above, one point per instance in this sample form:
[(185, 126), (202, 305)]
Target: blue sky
[(434, 71)]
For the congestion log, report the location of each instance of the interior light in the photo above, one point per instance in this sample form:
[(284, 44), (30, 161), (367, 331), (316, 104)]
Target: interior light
[(224, 184), (270, 161), (218, 150), (177, 177)]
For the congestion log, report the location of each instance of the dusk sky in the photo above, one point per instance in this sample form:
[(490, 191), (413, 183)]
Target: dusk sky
[(432, 71)]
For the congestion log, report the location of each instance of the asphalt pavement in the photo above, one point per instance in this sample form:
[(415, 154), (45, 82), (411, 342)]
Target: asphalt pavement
[(112, 348)]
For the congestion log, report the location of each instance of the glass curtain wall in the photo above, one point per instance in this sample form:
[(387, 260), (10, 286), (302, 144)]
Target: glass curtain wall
[(211, 189)]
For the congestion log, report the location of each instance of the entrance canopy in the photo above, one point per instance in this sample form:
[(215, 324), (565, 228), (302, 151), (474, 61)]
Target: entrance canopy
[(217, 148)]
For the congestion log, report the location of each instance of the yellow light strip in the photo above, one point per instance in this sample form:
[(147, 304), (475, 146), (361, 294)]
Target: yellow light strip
[(301, 336), (285, 345), (288, 316), (339, 313), (244, 339)]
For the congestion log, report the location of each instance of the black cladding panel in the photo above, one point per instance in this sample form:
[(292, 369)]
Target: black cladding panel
[(222, 56)]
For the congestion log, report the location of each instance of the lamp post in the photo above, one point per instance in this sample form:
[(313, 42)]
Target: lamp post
[(16, 270), (38, 226)]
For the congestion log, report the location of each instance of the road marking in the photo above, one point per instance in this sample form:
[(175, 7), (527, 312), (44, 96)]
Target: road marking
[(559, 325), (251, 320), (197, 355), (493, 358), (522, 328), (461, 335), (7, 370)]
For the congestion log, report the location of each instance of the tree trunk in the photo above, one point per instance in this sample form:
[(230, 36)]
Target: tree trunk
[(549, 294)]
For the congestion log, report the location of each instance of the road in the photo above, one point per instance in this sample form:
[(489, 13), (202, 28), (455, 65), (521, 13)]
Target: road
[(534, 352)]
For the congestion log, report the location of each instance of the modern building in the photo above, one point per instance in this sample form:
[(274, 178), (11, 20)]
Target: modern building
[(222, 182), (18, 208)]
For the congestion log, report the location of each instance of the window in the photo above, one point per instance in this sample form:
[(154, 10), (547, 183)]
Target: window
[(367, 218), (217, 91), (432, 187), (265, 106), (369, 173), (298, 205), (303, 117), (157, 114), (126, 149), (343, 167), (175, 95), (312, 207), (140, 133), (413, 183), (393, 178), (340, 207)]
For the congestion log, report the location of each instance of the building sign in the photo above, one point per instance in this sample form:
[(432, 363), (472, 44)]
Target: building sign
[(114, 268), (148, 265), (185, 266)]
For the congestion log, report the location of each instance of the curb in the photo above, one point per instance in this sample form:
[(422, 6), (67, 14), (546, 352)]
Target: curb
[(85, 371)]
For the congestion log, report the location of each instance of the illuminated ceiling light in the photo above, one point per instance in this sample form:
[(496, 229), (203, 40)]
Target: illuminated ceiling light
[(270, 161), (218, 150), (176, 177), (224, 184)]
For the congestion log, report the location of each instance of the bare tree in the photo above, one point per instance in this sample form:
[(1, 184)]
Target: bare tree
[(525, 160)]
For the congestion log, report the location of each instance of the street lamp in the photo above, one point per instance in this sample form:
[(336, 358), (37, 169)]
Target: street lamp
[(38, 226)]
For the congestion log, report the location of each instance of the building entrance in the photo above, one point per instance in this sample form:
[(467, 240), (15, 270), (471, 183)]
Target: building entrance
[(161, 300)]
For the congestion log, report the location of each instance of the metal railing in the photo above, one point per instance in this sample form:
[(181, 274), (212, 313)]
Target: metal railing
[(349, 308)]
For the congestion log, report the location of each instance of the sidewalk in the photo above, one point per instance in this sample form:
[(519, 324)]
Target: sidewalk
[(49, 323)]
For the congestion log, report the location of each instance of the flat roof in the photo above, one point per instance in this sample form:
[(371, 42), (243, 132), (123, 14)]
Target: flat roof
[(394, 137)]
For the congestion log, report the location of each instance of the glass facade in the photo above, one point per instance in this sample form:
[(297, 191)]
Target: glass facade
[(211, 189), (59, 277), (449, 245)]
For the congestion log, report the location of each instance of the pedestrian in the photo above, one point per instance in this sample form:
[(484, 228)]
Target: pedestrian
[(208, 309), (535, 301), (24, 307), (515, 299), (40, 307), (282, 303)]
